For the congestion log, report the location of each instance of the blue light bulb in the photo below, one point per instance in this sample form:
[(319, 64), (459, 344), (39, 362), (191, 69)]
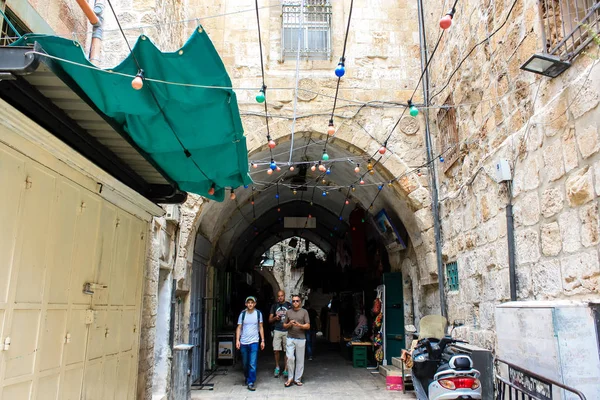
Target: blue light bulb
[(245, 186), (341, 218), (277, 195), (324, 194), (273, 165), (380, 187), (441, 159), (340, 70), (328, 171)]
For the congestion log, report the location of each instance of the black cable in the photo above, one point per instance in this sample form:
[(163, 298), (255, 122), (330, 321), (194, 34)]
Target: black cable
[(471, 51), (187, 153), (343, 60), (262, 70)]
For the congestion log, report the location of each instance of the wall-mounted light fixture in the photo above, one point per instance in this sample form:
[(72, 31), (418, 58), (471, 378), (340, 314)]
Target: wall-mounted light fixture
[(546, 64)]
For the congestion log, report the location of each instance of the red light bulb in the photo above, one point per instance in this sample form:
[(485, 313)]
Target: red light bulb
[(272, 144), (362, 182), (446, 21), (270, 171), (382, 150), (347, 202)]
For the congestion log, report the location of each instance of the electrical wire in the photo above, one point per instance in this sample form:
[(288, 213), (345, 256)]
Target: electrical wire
[(473, 48), (262, 71), (300, 34)]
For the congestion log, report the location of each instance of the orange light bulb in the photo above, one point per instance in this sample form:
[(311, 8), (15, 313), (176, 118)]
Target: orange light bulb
[(137, 83)]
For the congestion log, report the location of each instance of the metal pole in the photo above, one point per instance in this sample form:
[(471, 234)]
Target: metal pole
[(432, 172)]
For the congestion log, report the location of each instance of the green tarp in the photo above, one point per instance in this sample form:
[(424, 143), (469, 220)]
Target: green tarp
[(206, 121)]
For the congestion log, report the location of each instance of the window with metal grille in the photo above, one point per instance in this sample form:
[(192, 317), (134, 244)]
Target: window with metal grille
[(448, 128), (568, 26), (452, 276), (308, 24), (8, 34)]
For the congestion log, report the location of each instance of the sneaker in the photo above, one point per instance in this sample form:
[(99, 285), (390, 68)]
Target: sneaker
[(251, 387), (285, 374), (310, 358), (276, 373)]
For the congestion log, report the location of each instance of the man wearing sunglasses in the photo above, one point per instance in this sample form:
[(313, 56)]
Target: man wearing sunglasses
[(297, 323)]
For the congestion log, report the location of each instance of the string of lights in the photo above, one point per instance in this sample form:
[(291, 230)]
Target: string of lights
[(261, 97), (138, 82), (340, 71)]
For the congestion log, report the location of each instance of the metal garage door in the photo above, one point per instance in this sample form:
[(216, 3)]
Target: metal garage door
[(56, 236)]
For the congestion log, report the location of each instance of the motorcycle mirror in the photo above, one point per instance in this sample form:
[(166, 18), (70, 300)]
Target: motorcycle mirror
[(410, 328), (458, 322)]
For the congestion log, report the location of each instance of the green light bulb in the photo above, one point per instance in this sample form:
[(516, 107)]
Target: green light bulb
[(414, 111), (325, 156), (260, 98)]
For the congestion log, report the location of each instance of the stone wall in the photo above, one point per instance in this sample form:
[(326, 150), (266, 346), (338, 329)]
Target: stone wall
[(61, 17), (548, 131)]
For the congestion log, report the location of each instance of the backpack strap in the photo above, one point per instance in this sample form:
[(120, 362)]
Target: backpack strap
[(258, 317)]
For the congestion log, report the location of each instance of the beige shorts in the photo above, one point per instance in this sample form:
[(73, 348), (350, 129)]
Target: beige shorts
[(279, 340)]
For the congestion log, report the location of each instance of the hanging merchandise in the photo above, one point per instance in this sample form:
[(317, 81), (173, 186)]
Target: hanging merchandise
[(376, 306)]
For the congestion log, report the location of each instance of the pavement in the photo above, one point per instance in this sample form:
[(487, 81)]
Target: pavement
[(329, 376)]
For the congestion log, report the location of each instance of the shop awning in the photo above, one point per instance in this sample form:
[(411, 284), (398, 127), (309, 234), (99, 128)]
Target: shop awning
[(192, 135)]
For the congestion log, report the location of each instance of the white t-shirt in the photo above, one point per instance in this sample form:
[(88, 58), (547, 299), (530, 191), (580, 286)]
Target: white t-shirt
[(250, 333)]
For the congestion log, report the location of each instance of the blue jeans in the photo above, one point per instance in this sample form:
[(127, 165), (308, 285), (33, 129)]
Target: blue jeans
[(249, 356)]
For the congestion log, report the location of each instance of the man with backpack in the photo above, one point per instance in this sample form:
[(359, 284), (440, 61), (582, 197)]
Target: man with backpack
[(277, 319), (249, 334)]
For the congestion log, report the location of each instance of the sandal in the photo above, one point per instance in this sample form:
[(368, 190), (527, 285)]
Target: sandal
[(288, 384), (276, 374), (298, 383)]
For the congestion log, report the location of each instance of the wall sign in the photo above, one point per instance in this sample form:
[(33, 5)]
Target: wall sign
[(530, 385)]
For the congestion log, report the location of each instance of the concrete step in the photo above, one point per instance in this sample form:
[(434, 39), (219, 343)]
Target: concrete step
[(390, 370)]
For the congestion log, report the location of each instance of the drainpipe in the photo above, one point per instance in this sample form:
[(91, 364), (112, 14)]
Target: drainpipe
[(434, 188), (95, 17), (510, 235), (97, 33)]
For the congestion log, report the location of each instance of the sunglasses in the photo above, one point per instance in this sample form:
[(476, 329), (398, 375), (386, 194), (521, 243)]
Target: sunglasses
[(295, 301)]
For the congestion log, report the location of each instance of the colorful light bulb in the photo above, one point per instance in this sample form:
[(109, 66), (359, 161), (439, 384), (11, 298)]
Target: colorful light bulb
[(369, 166), (330, 129), (414, 111), (313, 168), (446, 21), (341, 218), (276, 195), (357, 168), (294, 191), (362, 182), (441, 159), (260, 97), (380, 187), (245, 186), (328, 171), (340, 70), (325, 156), (254, 165), (347, 201), (372, 172), (138, 82), (382, 150), (278, 168), (272, 144), (322, 168), (324, 193), (211, 191), (292, 168), (273, 165), (270, 171), (232, 195)]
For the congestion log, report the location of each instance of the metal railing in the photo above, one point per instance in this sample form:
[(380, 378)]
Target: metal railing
[(524, 384), (568, 26), (314, 22)]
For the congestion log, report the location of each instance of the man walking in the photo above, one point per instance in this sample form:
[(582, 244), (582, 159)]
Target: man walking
[(297, 323), (248, 334), (277, 318)]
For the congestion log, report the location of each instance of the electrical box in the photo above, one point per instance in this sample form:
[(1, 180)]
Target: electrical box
[(172, 213), (503, 173)]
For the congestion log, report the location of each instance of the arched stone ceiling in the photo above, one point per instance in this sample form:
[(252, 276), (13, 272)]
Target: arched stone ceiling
[(230, 224)]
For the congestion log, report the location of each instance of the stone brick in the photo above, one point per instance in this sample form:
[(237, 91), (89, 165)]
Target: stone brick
[(552, 202), (579, 187), (523, 281), (569, 150), (527, 209), (580, 272), (527, 245), (570, 230), (597, 175), (546, 279), (551, 239), (419, 198), (589, 224), (424, 218), (587, 138), (553, 161), (527, 175)]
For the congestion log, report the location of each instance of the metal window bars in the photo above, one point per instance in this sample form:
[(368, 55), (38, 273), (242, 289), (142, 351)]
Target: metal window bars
[(452, 276), (314, 20), (568, 26)]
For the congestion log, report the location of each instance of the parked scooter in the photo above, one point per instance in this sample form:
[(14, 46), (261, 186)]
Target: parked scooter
[(440, 372)]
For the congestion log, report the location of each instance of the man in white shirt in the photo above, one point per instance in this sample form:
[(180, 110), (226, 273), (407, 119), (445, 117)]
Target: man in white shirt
[(249, 334)]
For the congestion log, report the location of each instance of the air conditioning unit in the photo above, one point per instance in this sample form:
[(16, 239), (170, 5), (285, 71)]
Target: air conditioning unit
[(172, 213)]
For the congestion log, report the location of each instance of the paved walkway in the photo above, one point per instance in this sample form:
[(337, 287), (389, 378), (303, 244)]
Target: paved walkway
[(329, 377)]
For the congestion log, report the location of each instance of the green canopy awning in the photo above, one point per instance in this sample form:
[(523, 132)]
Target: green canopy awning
[(193, 134)]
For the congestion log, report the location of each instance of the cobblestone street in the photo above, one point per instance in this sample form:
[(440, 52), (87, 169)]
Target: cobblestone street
[(329, 376)]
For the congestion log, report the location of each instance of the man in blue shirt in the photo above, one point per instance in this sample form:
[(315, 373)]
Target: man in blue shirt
[(249, 334)]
